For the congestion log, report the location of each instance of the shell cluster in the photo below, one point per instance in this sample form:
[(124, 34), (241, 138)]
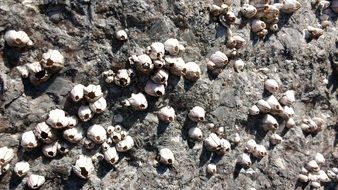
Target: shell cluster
[(324, 9), (272, 107), (40, 71), (262, 14), (312, 174), (92, 100)]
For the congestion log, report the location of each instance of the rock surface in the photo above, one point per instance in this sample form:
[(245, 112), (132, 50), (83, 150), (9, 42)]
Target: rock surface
[(83, 31)]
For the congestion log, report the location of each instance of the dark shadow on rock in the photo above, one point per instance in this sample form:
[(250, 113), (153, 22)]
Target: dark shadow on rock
[(212, 76), (11, 56), (14, 181), (254, 38), (237, 170), (301, 185), (204, 157), (186, 126), (36, 90), (271, 146), (221, 31), (161, 128), (188, 84), (32, 154), (329, 185), (104, 168), (254, 126), (284, 131), (74, 182), (283, 19), (333, 77), (191, 143), (161, 168), (71, 107), (173, 80), (216, 158)]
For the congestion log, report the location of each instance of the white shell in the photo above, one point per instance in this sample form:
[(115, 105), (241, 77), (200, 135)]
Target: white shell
[(116, 137), (271, 85), (6, 155), (257, 25), (4, 169), (239, 65), (263, 106), (35, 181), (274, 104), (244, 160), (274, 28), (290, 6), (166, 114), (83, 167), (156, 50), (37, 74), (323, 177), (97, 133), (173, 46), (99, 105), (288, 97), (219, 60), (331, 174), (110, 129), (304, 171), (223, 147), (52, 60), (121, 35), (269, 122), (290, 123), (212, 142), (28, 140), (154, 89), (197, 114), (260, 151), (92, 92), (248, 11), (211, 169), (77, 92), (160, 76), (57, 119), (309, 126), (254, 110), (109, 76), (312, 166), (176, 65), (88, 143), (303, 178), (85, 113), (275, 139), (288, 111), (50, 150), (72, 121), (314, 32), (110, 155), (319, 122), (126, 144), (17, 38), (73, 135), (315, 184), (23, 70), (319, 158), (166, 156), (143, 63), (235, 138), (123, 77), (137, 101), (195, 133), (193, 71), (44, 132), (63, 148), (250, 145), (159, 63), (21, 168), (236, 42)]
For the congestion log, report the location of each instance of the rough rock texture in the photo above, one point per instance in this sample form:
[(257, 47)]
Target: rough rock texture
[(83, 30)]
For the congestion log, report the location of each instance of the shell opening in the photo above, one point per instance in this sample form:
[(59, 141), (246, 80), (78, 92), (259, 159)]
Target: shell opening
[(44, 135), (84, 172), (40, 74), (91, 95)]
